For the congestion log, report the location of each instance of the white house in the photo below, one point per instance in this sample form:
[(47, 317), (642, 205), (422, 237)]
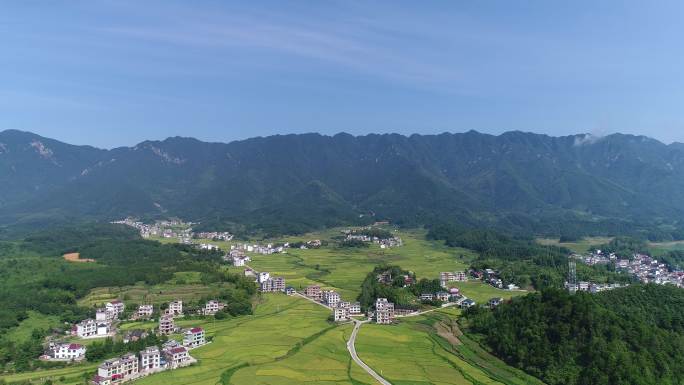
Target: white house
[(212, 307), (331, 298), (116, 307), (145, 311), (384, 311), (193, 338), (176, 307), (65, 352), (86, 328), (341, 313), (263, 276), (150, 358)]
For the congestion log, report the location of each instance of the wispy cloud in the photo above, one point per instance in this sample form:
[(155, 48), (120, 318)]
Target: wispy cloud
[(363, 45)]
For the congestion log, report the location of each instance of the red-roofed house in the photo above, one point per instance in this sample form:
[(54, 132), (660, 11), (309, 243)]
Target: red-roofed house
[(193, 338)]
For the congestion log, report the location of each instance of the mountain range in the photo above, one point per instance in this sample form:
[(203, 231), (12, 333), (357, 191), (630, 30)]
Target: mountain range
[(521, 182)]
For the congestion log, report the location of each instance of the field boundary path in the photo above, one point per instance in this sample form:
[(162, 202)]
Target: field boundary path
[(355, 357)]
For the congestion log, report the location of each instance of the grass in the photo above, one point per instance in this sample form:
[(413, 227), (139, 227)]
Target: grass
[(345, 269), (154, 294), (279, 324), (289, 341), (481, 292), (35, 320), (411, 353), (324, 360), (581, 246)]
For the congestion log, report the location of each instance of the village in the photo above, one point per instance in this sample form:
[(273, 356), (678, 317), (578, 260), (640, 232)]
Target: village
[(642, 267), (172, 354)]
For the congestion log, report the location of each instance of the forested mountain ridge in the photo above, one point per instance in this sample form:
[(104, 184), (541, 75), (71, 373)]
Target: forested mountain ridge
[(518, 181)]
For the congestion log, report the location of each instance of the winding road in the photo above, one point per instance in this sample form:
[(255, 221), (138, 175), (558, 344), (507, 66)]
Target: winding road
[(355, 357)]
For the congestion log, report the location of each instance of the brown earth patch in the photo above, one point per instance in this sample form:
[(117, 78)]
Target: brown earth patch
[(449, 331), (76, 257)]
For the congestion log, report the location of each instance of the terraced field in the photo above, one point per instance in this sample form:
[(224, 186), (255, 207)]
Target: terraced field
[(289, 340), (345, 268), (411, 353)]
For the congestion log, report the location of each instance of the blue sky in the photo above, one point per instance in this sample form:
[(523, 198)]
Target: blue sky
[(112, 73)]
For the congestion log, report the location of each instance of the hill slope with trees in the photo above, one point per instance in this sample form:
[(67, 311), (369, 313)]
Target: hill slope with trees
[(523, 182), (632, 335)]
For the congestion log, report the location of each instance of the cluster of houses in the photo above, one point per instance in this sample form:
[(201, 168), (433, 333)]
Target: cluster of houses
[(103, 324), (383, 242), (592, 287), (342, 310), (644, 267), (214, 235), (448, 276), (491, 277), (151, 360), (176, 229), (258, 249)]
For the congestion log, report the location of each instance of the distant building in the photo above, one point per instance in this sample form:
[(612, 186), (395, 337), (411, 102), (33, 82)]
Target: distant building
[(134, 335), (442, 296), (86, 328), (64, 352), (116, 307), (119, 369), (166, 324), (145, 311), (341, 313), (331, 298), (176, 307), (150, 358), (263, 276), (193, 338), (104, 315), (273, 285), (384, 311), (494, 302), (290, 290), (466, 303), (314, 292), (176, 356), (427, 297), (212, 307)]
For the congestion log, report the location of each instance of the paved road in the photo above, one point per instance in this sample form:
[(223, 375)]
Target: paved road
[(313, 300), (355, 357), (426, 311)]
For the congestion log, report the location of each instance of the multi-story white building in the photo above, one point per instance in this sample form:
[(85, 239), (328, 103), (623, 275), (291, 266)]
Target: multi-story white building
[(65, 352), (166, 324), (263, 276), (331, 298), (145, 311), (176, 307), (341, 313), (193, 338), (150, 358), (103, 329), (212, 307), (272, 285), (176, 356), (314, 292), (104, 315), (121, 368), (384, 311), (354, 308), (86, 328), (116, 307)]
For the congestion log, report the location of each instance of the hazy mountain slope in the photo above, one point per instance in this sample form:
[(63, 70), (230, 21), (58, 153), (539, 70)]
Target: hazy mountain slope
[(515, 180)]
